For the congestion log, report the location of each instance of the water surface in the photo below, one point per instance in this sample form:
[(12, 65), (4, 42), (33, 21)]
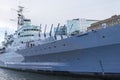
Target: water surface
[(6, 74)]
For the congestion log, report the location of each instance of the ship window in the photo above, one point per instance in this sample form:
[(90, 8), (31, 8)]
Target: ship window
[(31, 30), (18, 33), (22, 42), (26, 35)]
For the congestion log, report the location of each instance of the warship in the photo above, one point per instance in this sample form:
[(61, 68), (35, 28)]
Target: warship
[(96, 50)]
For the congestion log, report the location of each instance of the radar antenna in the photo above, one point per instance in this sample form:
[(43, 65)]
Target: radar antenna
[(20, 16)]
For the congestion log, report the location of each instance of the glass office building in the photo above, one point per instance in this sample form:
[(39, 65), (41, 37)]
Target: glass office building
[(79, 25)]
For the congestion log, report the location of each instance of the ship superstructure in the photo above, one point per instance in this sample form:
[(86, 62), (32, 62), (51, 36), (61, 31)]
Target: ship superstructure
[(95, 50)]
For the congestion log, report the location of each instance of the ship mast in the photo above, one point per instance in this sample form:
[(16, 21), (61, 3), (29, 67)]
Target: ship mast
[(20, 17)]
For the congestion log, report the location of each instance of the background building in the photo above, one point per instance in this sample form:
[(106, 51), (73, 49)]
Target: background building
[(114, 20)]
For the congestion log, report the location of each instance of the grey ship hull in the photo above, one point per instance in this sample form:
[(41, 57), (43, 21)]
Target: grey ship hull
[(93, 52)]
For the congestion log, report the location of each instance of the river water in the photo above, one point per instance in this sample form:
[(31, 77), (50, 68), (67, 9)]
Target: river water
[(6, 74)]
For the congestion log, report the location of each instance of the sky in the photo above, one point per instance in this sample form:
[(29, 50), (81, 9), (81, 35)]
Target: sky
[(54, 11)]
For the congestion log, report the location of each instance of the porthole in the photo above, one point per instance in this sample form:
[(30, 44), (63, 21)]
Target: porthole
[(78, 58), (54, 46), (103, 36), (64, 44)]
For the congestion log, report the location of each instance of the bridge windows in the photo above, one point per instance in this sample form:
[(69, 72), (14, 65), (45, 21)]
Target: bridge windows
[(31, 30), (26, 35)]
